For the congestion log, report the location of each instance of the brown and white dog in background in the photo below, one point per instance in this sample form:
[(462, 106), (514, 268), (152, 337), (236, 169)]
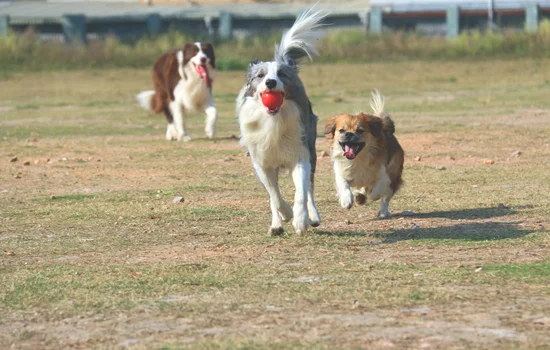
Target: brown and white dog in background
[(368, 160), (183, 85)]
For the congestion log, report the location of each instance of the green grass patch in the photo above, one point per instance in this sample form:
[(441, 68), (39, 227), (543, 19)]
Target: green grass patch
[(528, 273)]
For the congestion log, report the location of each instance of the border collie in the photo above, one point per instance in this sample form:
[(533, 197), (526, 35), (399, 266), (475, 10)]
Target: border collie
[(281, 132), (183, 85)]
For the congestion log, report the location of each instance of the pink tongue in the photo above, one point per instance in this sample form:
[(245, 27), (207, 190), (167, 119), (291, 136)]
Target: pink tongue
[(204, 74), (348, 152)]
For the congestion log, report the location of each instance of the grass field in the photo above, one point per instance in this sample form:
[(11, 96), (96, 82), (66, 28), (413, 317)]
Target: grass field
[(94, 254)]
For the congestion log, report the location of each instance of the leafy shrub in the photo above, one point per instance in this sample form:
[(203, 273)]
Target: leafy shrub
[(27, 52)]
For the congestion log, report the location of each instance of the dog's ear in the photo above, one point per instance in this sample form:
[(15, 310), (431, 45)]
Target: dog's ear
[(375, 126), (330, 127), (208, 50), (388, 125), (189, 51), (250, 70), (291, 63)]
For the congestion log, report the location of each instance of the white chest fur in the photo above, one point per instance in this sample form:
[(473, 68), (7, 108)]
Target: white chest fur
[(373, 178), (272, 140), (192, 92)]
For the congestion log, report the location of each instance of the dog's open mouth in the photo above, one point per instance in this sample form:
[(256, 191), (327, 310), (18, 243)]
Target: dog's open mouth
[(203, 73), (351, 150)]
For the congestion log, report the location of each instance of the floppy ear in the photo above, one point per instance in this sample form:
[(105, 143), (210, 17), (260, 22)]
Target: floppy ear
[(375, 126), (250, 66), (189, 50), (208, 50), (330, 127), (291, 63)]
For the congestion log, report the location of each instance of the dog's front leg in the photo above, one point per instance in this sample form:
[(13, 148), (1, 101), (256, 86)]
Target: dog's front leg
[(268, 177), (211, 117), (179, 122), (342, 187), (300, 176)]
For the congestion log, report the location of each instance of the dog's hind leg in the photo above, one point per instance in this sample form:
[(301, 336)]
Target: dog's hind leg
[(301, 177), (211, 117), (360, 195), (314, 217), (268, 177), (171, 132), (384, 211)]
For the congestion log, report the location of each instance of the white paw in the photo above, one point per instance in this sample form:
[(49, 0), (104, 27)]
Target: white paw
[(384, 211), (209, 133), (346, 199), (285, 211), (300, 223), (171, 133), (184, 138), (314, 217)]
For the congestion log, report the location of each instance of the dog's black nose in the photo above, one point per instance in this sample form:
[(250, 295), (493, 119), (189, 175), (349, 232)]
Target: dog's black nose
[(349, 135), (203, 60), (270, 83)]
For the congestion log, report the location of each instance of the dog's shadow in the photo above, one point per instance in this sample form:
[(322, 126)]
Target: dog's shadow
[(477, 231), (465, 214), (471, 231)]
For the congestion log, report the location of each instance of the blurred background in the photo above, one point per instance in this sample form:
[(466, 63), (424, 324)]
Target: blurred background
[(132, 33)]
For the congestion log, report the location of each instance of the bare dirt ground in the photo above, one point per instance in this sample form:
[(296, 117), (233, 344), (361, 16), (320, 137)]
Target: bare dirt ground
[(95, 254)]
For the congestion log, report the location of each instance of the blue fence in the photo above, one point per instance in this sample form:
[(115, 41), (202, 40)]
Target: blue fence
[(80, 22)]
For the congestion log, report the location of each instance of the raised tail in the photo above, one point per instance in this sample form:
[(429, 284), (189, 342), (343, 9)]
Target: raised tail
[(377, 104), (299, 41), (146, 99)]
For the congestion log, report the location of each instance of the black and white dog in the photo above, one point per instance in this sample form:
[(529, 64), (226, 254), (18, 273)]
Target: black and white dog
[(283, 135)]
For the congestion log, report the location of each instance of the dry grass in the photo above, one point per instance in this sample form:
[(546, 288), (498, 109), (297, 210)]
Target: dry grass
[(94, 254)]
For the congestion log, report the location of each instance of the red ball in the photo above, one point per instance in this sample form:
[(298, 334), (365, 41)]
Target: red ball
[(272, 99)]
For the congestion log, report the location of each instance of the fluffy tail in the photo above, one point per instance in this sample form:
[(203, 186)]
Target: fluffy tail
[(377, 104), (145, 99), (299, 41)]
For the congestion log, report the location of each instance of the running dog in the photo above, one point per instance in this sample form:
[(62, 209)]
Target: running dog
[(368, 160), (278, 126), (183, 85)]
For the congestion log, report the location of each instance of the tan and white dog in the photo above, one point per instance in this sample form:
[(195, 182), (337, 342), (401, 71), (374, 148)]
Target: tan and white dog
[(368, 160), (183, 85)]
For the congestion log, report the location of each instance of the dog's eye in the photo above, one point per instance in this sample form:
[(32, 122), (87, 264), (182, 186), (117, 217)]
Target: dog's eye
[(360, 131), (261, 75), (341, 131)]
